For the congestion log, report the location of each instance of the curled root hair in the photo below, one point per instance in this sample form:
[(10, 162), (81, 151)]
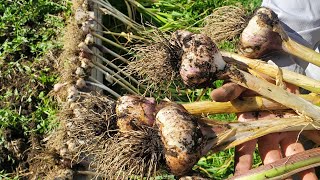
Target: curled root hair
[(132, 154), (225, 23)]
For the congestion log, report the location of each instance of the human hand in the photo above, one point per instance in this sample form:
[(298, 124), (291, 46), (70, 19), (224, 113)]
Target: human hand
[(272, 147)]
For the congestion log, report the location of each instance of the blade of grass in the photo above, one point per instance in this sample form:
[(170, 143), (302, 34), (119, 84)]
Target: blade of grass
[(110, 10), (159, 20)]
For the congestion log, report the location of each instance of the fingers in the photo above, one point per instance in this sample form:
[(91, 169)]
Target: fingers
[(308, 175), (244, 152), (269, 148), (268, 145), (292, 88), (244, 156), (231, 91), (290, 146), (227, 92), (313, 136), (289, 143)]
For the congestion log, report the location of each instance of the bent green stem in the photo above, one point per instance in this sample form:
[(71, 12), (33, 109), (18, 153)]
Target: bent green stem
[(159, 20), (284, 167), (110, 10)]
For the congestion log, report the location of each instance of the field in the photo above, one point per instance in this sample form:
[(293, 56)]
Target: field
[(31, 41)]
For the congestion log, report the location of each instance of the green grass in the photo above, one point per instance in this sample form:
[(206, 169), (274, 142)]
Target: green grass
[(170, 15), (29, 30)]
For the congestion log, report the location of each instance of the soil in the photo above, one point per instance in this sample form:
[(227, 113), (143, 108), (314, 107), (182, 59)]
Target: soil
[(12, 151), (28, 155)]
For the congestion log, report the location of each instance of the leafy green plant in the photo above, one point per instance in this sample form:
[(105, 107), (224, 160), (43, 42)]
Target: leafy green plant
[(5, 176), (28, 27), (29, 30)]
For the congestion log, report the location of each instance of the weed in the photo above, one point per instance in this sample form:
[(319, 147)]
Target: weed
[(28, 38)]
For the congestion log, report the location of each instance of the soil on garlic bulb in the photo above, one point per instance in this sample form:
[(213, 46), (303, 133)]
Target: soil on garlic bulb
[(185, 56), (182, 139), (135, 111), (259, 38), (200, 59)]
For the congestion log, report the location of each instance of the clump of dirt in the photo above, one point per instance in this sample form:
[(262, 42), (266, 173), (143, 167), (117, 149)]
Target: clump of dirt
[(45, 164), (225, 23), (12, 150)]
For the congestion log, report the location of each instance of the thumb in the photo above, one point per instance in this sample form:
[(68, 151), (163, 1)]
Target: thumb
[(227, 92)]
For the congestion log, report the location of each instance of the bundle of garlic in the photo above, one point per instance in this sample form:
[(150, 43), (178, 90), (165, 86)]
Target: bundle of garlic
[(153, 136), (195, 60), (199, 63)]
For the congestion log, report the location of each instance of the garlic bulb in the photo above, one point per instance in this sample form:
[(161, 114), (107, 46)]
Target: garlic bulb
[(200, 61), (73, 94), (182, 138), (133, 111), (258, 38), (81, 83)]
